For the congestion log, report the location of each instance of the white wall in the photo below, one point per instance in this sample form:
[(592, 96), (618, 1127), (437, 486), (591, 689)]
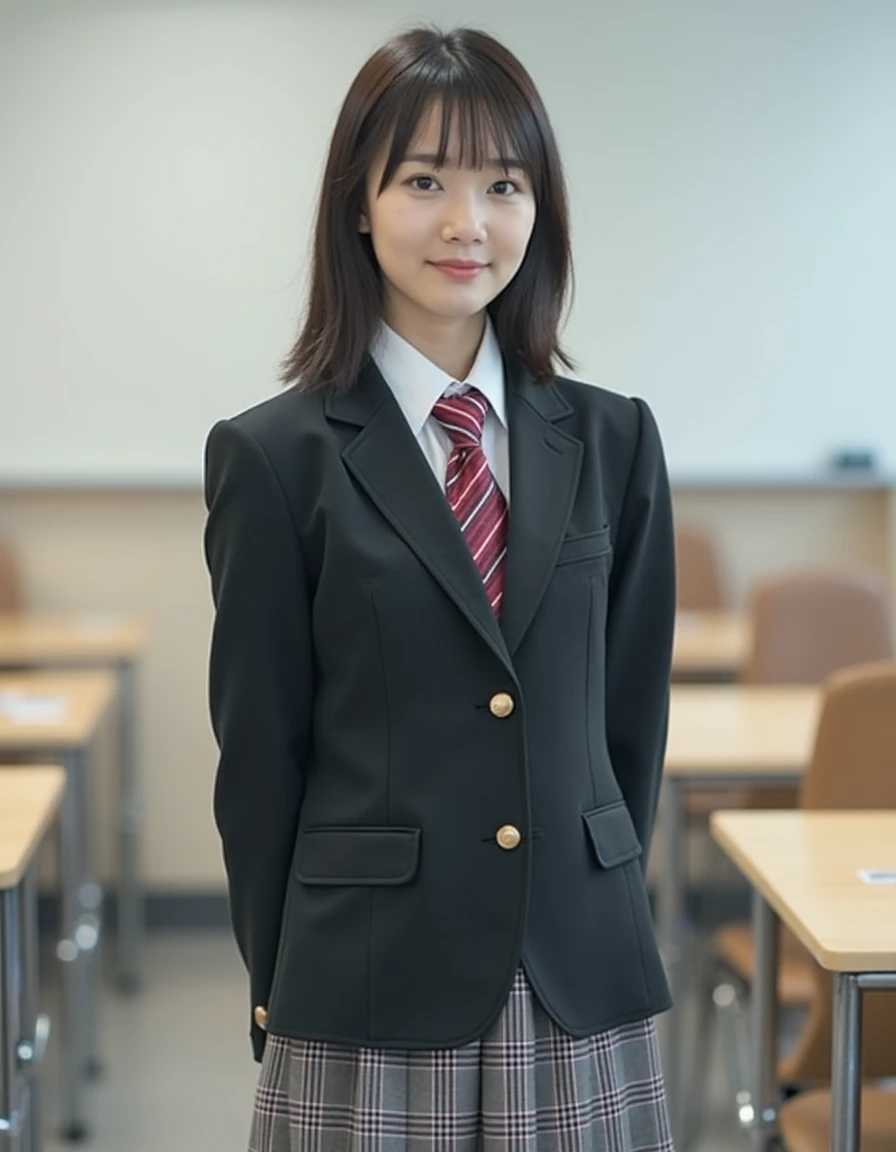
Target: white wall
[(732, 177)]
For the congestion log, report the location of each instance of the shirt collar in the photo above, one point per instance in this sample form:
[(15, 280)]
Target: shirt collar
[(417, 383)]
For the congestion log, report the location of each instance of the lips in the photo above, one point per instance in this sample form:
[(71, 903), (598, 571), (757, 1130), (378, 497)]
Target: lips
[(459, 269)]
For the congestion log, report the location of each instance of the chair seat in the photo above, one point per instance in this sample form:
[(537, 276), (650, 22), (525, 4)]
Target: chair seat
[(805, 1121), (796, 970)]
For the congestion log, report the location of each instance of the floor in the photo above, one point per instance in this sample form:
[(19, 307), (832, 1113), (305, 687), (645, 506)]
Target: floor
[(178, 1075)]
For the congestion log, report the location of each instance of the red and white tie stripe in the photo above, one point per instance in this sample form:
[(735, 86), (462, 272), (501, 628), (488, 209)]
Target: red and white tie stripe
[(475, 499)]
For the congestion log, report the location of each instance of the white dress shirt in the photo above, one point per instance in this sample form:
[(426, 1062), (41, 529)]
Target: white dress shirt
[(417, 384)]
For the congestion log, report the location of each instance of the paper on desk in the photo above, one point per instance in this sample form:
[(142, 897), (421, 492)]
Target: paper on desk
[(30, 709), (877, 875)]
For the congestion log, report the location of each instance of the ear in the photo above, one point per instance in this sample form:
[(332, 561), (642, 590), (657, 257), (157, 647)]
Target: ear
[(363, 222)]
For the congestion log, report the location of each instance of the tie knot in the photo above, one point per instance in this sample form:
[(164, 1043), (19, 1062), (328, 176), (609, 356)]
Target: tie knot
[(462, 417)]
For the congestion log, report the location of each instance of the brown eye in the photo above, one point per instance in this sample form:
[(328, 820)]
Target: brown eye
[(423, 183)]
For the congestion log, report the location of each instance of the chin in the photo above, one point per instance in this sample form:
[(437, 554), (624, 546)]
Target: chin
[(458, 308)]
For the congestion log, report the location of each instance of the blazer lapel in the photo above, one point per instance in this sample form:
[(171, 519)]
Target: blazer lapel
[(387, 462), (545, 465)]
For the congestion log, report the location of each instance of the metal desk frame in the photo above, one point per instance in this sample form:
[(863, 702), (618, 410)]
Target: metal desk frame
[(846, 1039), (671, 919), (130, 903)]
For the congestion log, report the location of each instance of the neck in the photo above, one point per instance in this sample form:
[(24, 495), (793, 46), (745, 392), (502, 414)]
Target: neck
[(451, 343)]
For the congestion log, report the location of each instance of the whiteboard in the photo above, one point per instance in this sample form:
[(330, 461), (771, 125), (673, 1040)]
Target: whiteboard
[(732, 177)]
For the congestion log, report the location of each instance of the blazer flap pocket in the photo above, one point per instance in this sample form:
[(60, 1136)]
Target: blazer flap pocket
[(358, 855), (612, 834), (586, 547)]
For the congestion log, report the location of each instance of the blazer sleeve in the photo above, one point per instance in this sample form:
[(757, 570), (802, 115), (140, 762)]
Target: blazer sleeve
[(640, 623), (260, 689)]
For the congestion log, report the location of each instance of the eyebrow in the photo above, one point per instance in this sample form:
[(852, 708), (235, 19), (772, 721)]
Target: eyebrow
[(504, 163)]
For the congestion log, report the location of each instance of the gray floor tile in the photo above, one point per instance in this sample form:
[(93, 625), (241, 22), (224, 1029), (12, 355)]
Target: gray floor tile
[(178, 1073)]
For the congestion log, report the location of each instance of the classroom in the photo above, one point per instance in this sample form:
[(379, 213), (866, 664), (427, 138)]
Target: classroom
[(730, 177)]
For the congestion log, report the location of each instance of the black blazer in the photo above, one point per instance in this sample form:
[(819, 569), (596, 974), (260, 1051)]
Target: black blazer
[(413, 800)]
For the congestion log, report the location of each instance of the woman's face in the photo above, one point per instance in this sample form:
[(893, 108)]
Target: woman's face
[(447, 240)]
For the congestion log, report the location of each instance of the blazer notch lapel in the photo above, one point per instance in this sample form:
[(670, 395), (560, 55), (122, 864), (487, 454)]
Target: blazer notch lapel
[(546, 464), (387, 462)]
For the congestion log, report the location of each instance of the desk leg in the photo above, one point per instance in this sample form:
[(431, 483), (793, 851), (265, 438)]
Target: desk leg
[(10, 983), (75, 992), (33, 1027), (670, 926), (90, 905), (846, 1056), (130, 897), (764, 1054)]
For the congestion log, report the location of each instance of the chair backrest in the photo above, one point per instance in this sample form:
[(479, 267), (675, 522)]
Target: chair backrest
[(10, 582), (700, 584), (807, 625), (853, 766)]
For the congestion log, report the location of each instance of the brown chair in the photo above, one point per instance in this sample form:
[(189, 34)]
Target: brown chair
[(805, 1121), (700, 583), (10, 580), (700, 587), (852, 767), (806, 625)]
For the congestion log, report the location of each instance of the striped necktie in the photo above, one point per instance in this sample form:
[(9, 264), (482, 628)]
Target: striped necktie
[(473, 495)]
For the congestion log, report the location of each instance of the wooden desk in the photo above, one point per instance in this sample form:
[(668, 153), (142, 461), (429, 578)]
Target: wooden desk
[(804, 868), (30, 727), (85, 698), (720, 737), (116, 641), (754, 733), (99, 638), (29, 800), (710, 646)]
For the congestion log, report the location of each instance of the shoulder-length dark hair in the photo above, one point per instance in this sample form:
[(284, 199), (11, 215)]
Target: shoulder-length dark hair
[(466, 74)]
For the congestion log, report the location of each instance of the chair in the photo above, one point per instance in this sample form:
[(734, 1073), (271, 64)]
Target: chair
[(806, 1121), (809, 624), (10, 580), (806, 625), (852, 767), (700, 583), (700, 587)]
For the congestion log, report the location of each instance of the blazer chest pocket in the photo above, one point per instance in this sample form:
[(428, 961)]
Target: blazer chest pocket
[(358, 855), (612, 834), (589, 546)]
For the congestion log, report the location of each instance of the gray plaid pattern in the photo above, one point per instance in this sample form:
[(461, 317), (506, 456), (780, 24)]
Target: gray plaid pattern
[(525, 1086)]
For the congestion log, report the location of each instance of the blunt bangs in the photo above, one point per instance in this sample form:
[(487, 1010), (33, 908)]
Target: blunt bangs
[(493, 120)]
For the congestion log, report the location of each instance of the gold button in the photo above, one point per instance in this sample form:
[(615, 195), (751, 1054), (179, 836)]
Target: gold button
[(501, 705), (261, 1017), (508, 837)]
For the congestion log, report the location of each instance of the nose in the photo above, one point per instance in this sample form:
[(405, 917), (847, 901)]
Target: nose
[(464, 221)]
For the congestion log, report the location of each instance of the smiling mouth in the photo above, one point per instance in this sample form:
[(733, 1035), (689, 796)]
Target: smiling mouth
[(460, 271)]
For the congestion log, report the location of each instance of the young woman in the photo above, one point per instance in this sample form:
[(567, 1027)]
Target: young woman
[(439, 672)]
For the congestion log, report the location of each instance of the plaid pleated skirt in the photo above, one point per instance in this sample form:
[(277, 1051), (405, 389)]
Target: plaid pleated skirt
[(524, 1086)]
